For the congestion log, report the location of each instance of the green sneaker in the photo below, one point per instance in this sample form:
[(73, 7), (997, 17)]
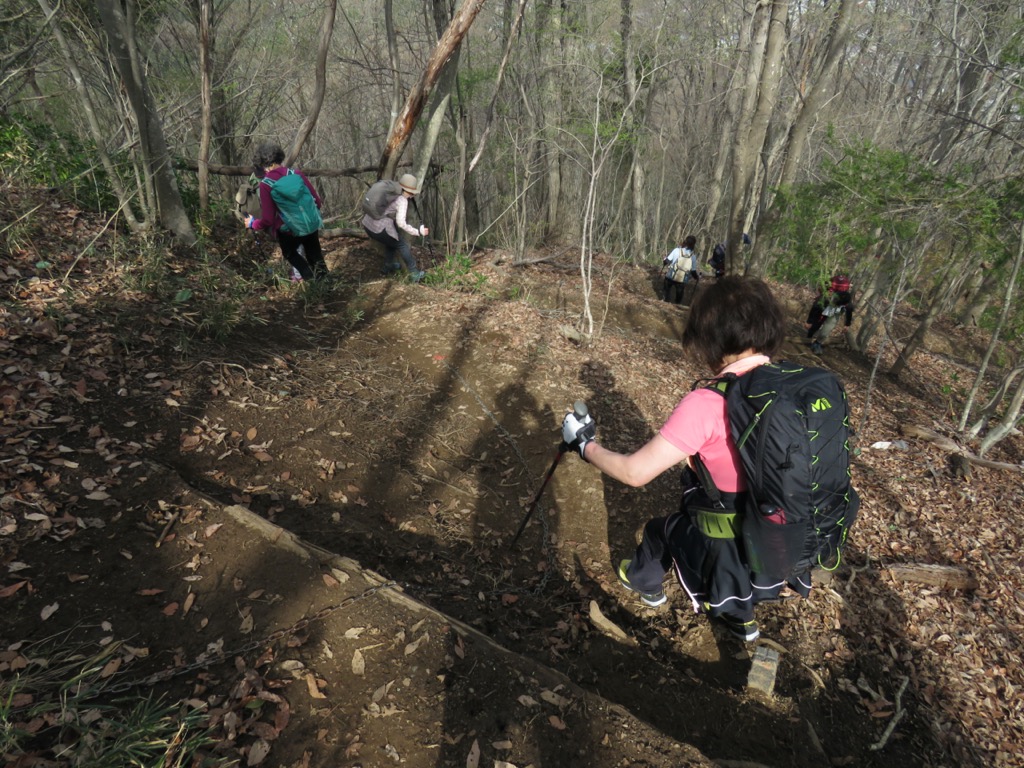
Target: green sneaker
[(653, 599)]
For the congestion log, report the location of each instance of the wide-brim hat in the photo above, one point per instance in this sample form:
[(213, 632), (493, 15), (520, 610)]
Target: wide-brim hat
[(409, 184)]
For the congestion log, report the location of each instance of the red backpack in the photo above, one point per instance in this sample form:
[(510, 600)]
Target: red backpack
[(840, 283)]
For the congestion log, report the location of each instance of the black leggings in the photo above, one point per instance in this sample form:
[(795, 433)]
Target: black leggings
[(310, 267), (671, 286)]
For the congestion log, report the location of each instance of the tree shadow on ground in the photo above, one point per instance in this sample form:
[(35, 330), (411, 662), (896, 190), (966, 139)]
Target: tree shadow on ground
[(541, 621), (547, 621)]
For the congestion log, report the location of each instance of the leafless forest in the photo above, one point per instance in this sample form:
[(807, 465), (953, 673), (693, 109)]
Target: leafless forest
[(879, 138)]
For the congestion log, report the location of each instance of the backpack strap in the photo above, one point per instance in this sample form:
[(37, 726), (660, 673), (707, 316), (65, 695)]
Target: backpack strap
[(704, 478), (269, 183), (720, 385)]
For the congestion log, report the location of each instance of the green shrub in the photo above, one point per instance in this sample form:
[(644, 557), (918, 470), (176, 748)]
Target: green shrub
[(35, 154), (456, 274), (65, 689)]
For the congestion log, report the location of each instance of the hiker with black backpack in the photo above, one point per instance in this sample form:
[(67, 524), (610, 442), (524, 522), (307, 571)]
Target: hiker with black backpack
[(385, 209), (290, 210), (716, 543), (828, 307), (717, 259)]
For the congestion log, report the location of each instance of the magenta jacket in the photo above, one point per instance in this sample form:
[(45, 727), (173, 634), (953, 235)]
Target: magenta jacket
[(269, 216)]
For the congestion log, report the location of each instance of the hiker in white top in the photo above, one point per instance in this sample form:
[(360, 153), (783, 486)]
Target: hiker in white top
[(388, 229), (680, 268)]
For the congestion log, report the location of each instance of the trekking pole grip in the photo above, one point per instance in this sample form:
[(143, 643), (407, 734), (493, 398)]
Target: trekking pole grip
[(580, 411)]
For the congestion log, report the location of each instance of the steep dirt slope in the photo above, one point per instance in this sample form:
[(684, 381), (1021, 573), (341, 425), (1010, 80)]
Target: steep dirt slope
[(406, 428)]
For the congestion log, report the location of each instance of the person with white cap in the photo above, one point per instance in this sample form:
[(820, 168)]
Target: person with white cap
[(388, 230)]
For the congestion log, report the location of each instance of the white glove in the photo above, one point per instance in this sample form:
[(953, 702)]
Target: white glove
[(423, 230), (576, 433)]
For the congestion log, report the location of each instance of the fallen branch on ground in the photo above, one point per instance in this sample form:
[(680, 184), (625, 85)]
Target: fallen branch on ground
[(913, 430), (900, 712), (947, 576)]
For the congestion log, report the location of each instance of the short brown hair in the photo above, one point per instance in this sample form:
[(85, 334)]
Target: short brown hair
[(733, 315), (268, 153)]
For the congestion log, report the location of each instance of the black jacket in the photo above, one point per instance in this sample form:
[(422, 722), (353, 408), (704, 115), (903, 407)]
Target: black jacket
[(840, 300)]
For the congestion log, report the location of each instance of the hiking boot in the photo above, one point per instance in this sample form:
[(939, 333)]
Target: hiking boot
[(296, 277), (746, 631), (653, 599), (417, 275), (816, 347)]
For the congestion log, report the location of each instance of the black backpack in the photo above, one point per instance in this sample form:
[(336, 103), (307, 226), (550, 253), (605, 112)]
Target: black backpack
[(791, 426), (717, 260), (379, 196)]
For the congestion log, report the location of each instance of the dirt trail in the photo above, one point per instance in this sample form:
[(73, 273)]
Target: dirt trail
[(405, 428)]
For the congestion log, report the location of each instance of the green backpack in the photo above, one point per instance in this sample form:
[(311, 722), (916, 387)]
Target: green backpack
[(295, 203)]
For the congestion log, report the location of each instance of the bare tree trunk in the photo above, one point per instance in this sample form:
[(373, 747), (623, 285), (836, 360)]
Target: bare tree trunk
[(989, 409), (725, 138), (439, 108), (935, 308), (977, 295), (549, 24), (121, 41), (401, 132), (205, 12), (457, 225), (818, 93), (396, 80), (97, 133), (871, 302), (1006, 425), (917, 338), (326, 32), (629, 98), (974, 61), (1011, 287), (513, 34), (658, 245), (18, 63), (768, 42)]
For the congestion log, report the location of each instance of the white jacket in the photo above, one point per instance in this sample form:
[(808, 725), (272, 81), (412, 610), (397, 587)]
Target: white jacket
[(679, 263)]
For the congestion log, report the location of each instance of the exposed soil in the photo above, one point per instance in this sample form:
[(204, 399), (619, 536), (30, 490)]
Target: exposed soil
[(403, 430)]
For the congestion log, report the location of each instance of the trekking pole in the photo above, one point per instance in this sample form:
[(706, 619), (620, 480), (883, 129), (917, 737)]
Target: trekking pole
[(430, 244), (579, 410)]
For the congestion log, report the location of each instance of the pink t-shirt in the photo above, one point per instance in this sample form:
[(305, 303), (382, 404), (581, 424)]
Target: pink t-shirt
[(699, 425)]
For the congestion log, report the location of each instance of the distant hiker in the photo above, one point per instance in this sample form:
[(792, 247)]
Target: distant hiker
[(385, 209), (717, 260), (680, 268), (290, 210), (734, 326), (828, 306)]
